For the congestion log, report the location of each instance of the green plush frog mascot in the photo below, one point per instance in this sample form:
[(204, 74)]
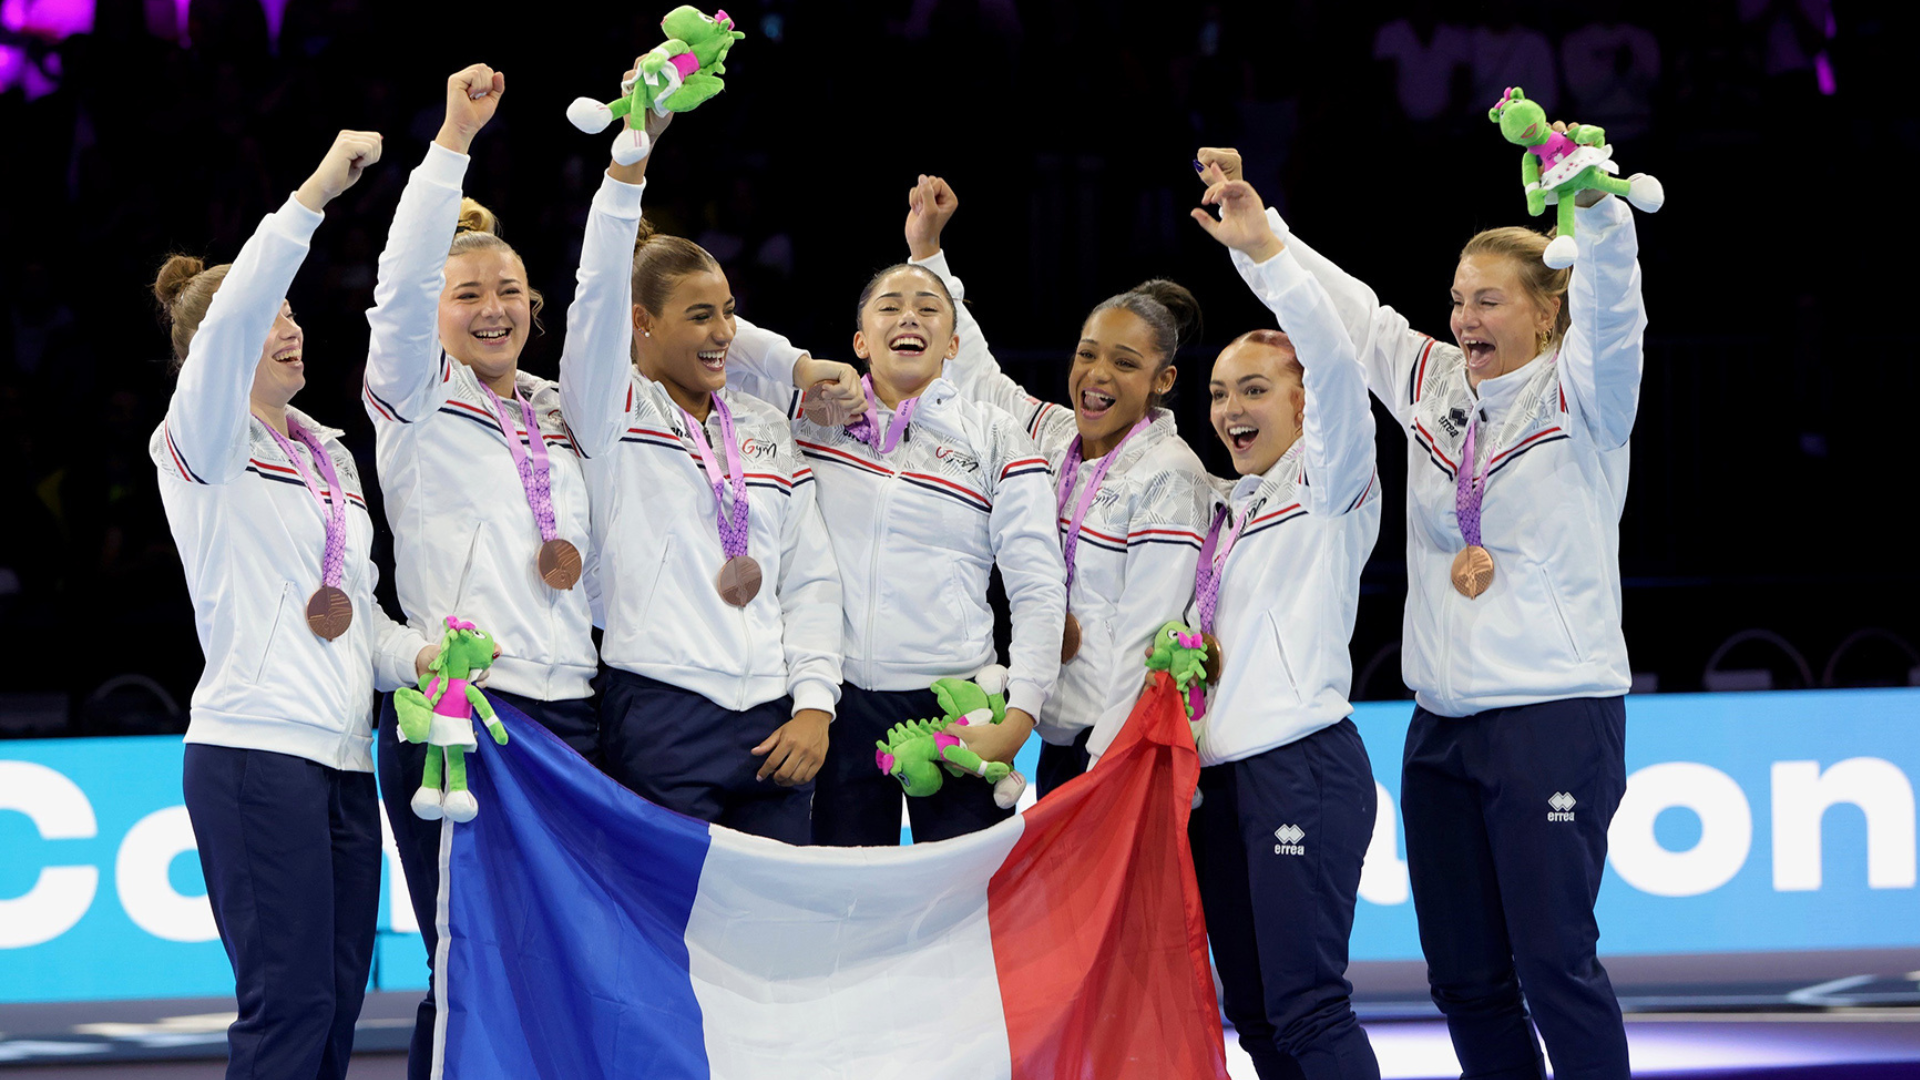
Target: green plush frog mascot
[(915, 751), (440, 714), (1559, 164), (674, 76)]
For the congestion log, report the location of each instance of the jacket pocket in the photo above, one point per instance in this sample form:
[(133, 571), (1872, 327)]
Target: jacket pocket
[(1560, 615), (1280, 652), (963, 604), (653, 584), (282, 617), (466, 571)]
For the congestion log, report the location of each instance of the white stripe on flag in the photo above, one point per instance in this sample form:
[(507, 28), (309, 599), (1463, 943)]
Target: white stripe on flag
[(849, 963)]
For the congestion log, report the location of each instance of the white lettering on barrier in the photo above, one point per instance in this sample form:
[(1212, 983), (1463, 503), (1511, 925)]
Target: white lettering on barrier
[(1726, 830), (1801, 796), (140, 876), (62, 894), (1383, 874)]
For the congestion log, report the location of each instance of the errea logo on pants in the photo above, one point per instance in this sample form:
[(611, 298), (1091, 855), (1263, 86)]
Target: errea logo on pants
[(1289, 837), (1560, 807)]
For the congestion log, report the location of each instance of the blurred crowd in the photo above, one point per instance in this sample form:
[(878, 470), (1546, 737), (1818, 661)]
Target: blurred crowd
[(1067, 128)]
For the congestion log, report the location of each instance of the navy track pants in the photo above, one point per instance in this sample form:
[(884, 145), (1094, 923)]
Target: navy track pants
[(1506, 822), (1278, 841), (291, 853)]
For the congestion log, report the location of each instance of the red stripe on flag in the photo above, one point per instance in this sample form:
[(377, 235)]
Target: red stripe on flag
[(1098, 936)]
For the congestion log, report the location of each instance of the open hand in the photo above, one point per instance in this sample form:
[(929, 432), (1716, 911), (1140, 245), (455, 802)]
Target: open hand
[(930, 205), (1243, 220), (796, 749), (350, 154)]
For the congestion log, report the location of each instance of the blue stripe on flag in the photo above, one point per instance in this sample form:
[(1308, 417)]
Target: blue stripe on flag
[(566, 909)]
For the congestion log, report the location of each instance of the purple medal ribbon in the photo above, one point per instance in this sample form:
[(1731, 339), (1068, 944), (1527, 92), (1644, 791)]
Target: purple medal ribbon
[(1469, 486), (535, 476), (1069, 471), (1213, 565), (733, 531), (867, 428), (333, 504)]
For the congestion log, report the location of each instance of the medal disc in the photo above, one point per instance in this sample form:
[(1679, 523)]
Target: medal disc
[(559, 563), (1472, 571), (1070, 639), (329, 612), (739, 580), (1214, 658), (815, 406)]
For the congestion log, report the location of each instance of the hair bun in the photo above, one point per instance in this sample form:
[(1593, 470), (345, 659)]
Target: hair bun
[(1179, 302), (175, 274), (647, 232), (477, 218)]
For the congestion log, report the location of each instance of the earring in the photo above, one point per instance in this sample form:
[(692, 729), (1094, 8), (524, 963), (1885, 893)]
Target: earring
[(646, 333)]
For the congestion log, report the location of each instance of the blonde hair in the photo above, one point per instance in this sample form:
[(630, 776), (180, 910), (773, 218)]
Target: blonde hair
[(184, 288), (1542, 284), (479, 230)]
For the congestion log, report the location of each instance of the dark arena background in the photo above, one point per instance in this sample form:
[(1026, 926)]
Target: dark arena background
[(1760, 548)]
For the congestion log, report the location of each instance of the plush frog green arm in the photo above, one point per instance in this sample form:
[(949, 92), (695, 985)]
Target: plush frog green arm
[(915, 751)]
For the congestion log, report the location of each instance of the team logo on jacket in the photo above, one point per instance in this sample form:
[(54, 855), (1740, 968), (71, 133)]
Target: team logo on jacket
[(957, 458), (757, 448), (1560, 807), (1289, 837)]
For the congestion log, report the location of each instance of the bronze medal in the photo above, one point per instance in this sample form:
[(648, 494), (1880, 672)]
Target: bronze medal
[(739, 580), (816, 408), (1472, 571), (1070, 639), (559, 564), (329, 612), (1214, 659)]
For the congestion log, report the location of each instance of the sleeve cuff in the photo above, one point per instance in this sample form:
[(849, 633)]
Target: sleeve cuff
[(444, 166), (619, 198), (403, 648), (1598, 219), (298, 221), (937, 262), (1278, 224), (1026, 696), (1273, 278), (815, 694)]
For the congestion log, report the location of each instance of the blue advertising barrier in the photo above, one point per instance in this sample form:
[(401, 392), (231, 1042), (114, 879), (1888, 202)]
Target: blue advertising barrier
[(1752, 822)]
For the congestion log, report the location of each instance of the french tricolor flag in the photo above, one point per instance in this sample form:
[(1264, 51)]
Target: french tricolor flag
[(585, 932)]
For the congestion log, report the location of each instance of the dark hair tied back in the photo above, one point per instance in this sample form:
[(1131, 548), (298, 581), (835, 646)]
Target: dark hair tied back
[(1168, 309)]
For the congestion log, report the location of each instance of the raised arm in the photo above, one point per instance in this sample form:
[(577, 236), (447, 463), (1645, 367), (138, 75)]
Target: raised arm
[(206, 426), (765, 364), (1389, 349), (596, 363), (973, 370), (1601, 359), (1337, 424), (403, 352)]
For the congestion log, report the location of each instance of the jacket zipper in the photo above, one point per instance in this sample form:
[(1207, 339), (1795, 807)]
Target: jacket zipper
[(873, 568)]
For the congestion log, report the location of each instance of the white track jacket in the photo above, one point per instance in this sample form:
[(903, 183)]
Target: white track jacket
[(1138, 545), (654, 527), (465, 540), (251, 539), (1553, 441)]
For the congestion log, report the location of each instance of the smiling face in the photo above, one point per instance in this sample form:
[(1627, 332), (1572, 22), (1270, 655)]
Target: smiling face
[(1258, 403), (1116, 373), (486, 311), (684, 345), (1495, 322), (282, 370), (906, 331)]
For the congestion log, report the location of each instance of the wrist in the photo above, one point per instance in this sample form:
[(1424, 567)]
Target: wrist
[(1265, 248), (918, 251), (454, 139), (313, 195)]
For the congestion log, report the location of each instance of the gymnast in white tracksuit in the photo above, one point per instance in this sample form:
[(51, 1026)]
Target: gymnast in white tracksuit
[(268, 514), (1288, 798), (1515, 760), (1131, 498), (483, 490), (720, 593), (922, 495)]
